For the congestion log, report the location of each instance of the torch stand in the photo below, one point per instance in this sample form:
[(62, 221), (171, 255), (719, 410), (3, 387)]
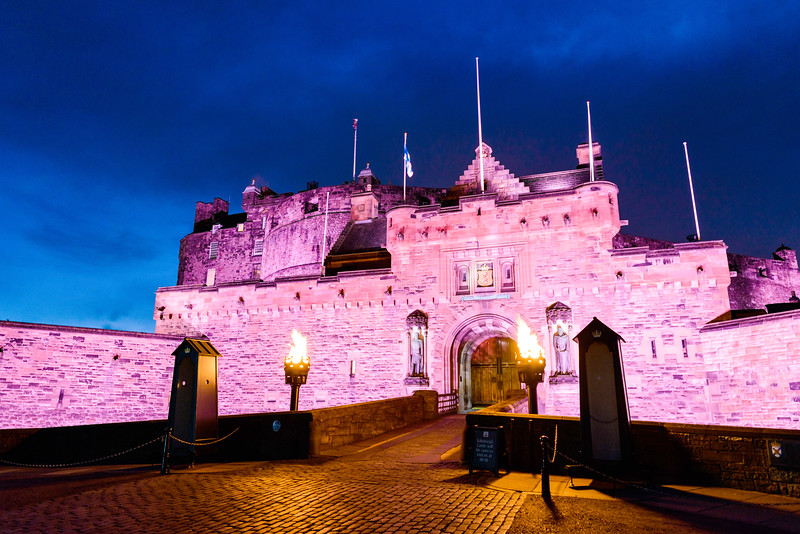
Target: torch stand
[(296, 375), (293, 402), (531, 379)]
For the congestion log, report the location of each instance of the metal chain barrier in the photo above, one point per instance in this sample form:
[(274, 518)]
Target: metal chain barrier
[(555, 446), (205, 443), (85, 462), (639, 486)]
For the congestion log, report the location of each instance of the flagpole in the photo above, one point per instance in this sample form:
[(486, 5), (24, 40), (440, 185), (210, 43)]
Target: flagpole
[(325, 232), (405, 140), (591, 146), (355, 138), (480, 131), (691, 190)]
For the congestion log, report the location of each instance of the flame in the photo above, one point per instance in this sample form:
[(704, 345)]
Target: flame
[(298, 352), (528, 343)]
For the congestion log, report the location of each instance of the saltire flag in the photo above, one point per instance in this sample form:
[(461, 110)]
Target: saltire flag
[(407, 160), (355, 124)]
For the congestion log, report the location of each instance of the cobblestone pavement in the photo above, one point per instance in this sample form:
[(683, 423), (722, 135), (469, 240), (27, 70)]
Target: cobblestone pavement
[(406, 481), (392, 486)]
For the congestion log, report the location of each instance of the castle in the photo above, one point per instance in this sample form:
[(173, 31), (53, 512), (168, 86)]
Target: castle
[(404, 289)]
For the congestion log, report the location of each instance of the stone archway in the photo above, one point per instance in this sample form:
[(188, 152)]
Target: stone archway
[(465, 340)]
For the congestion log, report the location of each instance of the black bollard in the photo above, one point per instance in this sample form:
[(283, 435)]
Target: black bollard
[(165, 457), (544, 440)]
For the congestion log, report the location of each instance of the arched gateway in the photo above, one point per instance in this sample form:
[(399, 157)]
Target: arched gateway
[(481, 356)]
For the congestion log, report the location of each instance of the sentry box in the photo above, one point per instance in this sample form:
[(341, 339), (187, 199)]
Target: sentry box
[(193, 402)]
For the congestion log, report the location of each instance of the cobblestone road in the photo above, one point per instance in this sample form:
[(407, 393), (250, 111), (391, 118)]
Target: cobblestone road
[(398, 485)]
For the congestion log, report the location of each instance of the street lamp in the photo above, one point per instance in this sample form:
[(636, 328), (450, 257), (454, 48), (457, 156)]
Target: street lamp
[(296, 367), (530, 362)]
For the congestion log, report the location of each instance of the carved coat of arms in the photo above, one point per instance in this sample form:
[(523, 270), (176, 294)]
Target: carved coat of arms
[(485, 275)]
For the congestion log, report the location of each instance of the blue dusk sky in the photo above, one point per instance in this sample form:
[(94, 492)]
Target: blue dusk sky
[(116, 117)]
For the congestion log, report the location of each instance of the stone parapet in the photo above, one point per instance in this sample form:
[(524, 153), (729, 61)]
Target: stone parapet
[(342, 425), (665, 453)]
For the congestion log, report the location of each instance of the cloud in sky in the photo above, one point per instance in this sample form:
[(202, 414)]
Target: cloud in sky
[(116, 118)]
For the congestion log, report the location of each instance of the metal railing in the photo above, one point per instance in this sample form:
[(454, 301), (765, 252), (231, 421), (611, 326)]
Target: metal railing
[(448, 403)]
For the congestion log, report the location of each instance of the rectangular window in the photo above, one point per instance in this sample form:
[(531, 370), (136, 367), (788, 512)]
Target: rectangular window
[(263, 222), (211, 277), (258, 247), (685, 346), (462, 280), (213, 249), (653, 348), (507, 278), (240, 227)]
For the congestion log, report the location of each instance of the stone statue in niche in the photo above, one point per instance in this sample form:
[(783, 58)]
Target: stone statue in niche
[(417, 328), (417, 351), (563, 364), (559, 326)]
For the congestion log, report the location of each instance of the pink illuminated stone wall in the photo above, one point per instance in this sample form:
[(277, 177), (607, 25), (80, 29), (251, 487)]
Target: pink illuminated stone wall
[(756, 282), (61, 376), (753, 370), (290, 227)]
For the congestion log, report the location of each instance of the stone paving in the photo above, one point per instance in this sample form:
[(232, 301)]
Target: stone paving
[(409, 480), (386, 486)]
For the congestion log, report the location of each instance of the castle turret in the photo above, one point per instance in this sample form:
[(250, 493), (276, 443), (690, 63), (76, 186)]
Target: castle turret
[(788, 255), (208, 210)]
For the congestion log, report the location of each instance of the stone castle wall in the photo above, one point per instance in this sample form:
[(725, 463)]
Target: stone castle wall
[(655, 299), (291, 229), (469, 269), (59, 376), (753, 370), (756, 282)]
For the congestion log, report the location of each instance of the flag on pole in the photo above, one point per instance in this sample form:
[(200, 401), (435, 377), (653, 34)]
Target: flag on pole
[(407, 158), (355, 139)]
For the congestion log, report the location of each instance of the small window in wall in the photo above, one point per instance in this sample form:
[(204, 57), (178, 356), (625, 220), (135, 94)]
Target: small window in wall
[(653, 348), (258, 247), (685, 347), (211, 276), (256, 272), (263, 222), (215, 227), (462, 280), (240, 227), (213, 249), (507, 276)]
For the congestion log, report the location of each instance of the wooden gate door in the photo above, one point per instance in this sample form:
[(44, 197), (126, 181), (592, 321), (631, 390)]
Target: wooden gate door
[(493, 373)]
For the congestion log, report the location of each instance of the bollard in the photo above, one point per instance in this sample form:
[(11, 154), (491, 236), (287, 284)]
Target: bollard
[(165, 456), (545, 468)]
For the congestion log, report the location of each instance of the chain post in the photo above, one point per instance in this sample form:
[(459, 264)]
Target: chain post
[(165, 456), (545, 468)]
